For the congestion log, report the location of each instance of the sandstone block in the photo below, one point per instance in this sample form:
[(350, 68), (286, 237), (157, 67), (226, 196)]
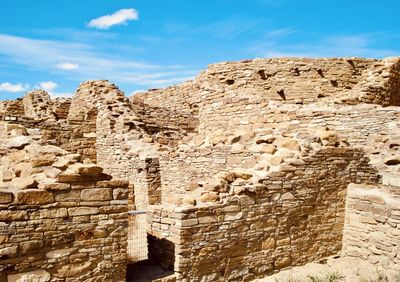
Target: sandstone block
[(77, 211), (113, 183), (9, 215), (97, 194), (33, 276), (188, 201), (60, 253), (50, 213), (21, 183), (86, 169), (120, 194), (268, 139), (242, 173), (6, 197), (230, 216), (269, 244), (62, 163), (9, 251), (34, 197), (282, 262), (30, 246), (209, 197), (43, 160), (290, 144), (55, 186), (18, 142), (70, 270)]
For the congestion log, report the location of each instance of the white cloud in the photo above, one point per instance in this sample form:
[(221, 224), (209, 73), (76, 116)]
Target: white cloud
[(67, 66), (43, 55), (13, 88), (117, 18), (48, 86)]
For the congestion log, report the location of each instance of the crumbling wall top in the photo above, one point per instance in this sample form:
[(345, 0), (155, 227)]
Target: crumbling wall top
[(88, 94)]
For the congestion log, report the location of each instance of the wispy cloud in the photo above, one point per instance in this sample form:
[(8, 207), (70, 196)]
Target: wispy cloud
[(67, 66), (46, 55), (13, 88), (281, 32), (226, 29), (356, 45), (117, 18)]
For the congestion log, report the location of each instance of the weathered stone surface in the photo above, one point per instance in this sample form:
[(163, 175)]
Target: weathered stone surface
[(30, 246), (33, 276), (9, 251), (43, 160), (18, 142), (73, 269), (6, 197), (247, 165), (34, 197), (21, 183), (11, 215), (60, 253), (82, 211), (86, 169), (100, 194)]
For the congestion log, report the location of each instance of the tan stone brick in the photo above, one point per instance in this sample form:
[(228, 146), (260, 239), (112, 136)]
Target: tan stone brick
[(82, 211), (34, 197), (97, 194)]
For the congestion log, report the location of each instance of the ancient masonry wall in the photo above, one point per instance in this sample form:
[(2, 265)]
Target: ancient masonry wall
[(372, 224), (170, 121), (256, 117), (362, 125), (68, 231), (60, 219), (248, 166), (244, 110), (289, 218), (302, 80)]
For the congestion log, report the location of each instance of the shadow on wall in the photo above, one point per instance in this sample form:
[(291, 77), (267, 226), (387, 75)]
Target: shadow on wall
[(161, 254)]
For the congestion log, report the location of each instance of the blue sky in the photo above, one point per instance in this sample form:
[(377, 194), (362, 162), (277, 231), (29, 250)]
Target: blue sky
[(141, 44)]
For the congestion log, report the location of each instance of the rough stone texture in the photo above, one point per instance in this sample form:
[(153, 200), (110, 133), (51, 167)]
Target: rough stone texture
[(59, 222), (372, 225), (249, 165)]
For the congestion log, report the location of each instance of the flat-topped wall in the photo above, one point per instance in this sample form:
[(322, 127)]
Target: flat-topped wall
[(72, 232), (303, 80), (291, 217), (372, 224), (238, 140)]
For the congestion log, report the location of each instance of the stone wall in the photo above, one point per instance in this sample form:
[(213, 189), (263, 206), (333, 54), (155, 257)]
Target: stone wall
[(59, 218), (302, 80), (177, 115), (372, 224), (289, 218), (259, 142), (69, 231), (248, 165), (11, 109)]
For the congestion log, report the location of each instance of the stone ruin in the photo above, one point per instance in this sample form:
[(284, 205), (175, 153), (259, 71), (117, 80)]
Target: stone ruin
[(253, 167)]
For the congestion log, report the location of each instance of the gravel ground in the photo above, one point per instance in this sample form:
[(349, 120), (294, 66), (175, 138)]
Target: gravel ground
[(334, 270)]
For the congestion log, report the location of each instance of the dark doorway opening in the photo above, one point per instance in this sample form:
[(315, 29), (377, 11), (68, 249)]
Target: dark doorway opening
[(160, 262)]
